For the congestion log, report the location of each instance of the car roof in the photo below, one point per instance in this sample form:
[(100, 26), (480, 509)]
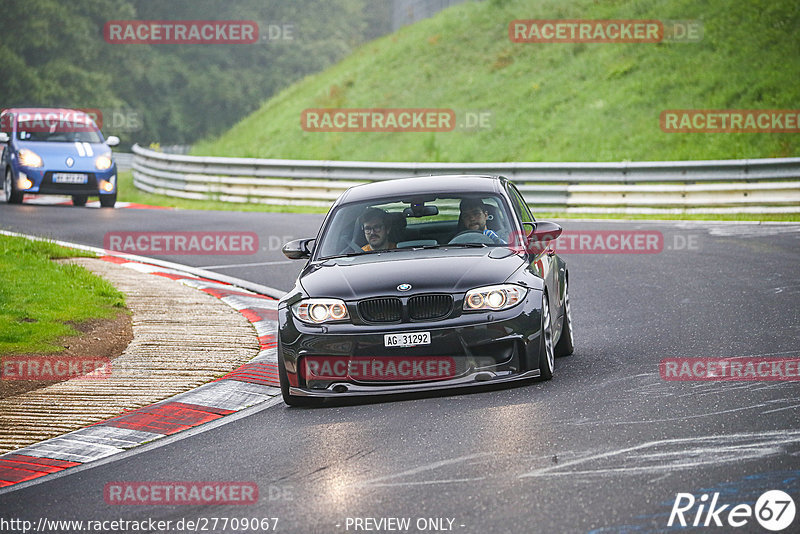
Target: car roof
[(424, 185)]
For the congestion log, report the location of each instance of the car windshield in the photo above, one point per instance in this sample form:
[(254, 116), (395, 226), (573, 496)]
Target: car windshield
[(58, 131), (414, 223)]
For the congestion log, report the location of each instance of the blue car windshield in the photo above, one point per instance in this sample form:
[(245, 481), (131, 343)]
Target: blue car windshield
[(58, 132)]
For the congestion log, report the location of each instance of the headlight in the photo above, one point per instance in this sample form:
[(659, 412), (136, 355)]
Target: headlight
[(316, 311), (102, 163), (497, 297), (29, 158), (24, 182)]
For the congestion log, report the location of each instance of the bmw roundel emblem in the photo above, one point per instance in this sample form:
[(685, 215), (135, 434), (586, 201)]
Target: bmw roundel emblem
[(404, 287), (70, 162)]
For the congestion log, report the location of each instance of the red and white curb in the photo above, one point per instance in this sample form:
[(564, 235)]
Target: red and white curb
[(253, 383)]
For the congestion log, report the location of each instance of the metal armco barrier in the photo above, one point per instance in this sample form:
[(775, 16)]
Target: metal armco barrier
[(124, 160), (750, 185)]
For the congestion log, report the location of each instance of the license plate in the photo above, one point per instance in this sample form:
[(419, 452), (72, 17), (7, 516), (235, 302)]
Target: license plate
[(408, 339), (69, 178)]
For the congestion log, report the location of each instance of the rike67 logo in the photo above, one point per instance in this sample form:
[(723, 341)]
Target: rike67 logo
[(774, 510)]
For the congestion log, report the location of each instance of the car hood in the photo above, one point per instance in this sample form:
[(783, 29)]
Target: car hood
[(379, 274), (54, 155)]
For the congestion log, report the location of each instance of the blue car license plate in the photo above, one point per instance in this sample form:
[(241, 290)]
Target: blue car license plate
[(69, 178)]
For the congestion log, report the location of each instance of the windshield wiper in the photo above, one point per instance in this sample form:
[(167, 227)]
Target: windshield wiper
[(420, 247), (362, 253), (341, 256), (444, 245)]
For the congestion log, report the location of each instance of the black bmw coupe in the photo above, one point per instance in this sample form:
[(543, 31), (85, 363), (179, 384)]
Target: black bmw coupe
[(423, 283)]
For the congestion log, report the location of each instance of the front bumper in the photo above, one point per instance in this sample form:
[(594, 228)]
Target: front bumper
[(43, 184), (346, 389), (484, 348)]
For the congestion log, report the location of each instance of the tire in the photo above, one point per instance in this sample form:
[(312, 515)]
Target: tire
[(292, 400), (546, 354), (565, 345), (12, 195), (108, 201), (79, 200)]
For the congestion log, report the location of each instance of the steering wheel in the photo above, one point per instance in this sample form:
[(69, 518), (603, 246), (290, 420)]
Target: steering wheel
[(471, 236)]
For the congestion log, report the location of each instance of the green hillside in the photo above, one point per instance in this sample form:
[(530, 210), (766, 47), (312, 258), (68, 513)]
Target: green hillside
[(548, 102)]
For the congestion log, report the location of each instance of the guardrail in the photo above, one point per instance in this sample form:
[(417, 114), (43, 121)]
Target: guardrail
[(124, 160), (750, 185)]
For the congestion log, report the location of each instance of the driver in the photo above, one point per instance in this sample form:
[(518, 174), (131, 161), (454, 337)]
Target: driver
[(474, 214), (375, 223)]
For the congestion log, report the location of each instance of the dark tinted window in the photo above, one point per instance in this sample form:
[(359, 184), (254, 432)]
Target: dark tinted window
[(520, 207), (58, 132), (412, 223)]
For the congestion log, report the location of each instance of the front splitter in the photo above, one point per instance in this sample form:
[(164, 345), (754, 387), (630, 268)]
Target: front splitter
[(354, 390)]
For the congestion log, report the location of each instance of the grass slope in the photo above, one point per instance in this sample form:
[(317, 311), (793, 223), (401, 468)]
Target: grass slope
[(549, 102), (38, 297)]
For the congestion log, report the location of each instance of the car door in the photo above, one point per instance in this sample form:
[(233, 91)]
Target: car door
[(543, 261)]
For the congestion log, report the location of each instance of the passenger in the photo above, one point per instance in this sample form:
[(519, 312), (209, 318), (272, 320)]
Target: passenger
[(474, 214), (376, 226)]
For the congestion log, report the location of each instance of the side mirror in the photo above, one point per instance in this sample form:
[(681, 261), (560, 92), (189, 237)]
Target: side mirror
[(543, 231), (112, 140), (4, 137), (297, 249)]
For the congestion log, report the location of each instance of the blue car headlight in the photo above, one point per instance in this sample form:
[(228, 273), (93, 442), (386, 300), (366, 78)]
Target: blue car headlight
[(29, 158), (103, 162)]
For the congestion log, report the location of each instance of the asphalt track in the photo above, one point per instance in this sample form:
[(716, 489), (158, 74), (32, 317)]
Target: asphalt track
[(604, 447)]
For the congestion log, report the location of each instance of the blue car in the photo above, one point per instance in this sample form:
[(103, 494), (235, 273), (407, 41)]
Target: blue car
[(52, 151)]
